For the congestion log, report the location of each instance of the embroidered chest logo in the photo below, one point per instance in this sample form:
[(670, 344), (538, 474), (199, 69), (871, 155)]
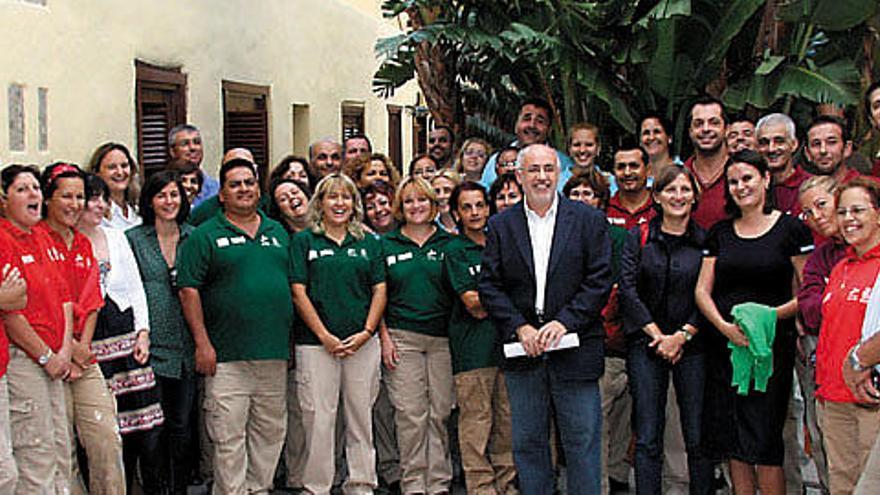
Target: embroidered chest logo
[(474, 270)]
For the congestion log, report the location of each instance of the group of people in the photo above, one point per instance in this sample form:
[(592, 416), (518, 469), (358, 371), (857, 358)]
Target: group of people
[(318, 327)]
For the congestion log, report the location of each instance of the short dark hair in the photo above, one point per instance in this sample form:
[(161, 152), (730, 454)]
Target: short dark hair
[(467, 185), (188, 169), (154, 186), (831, 119), (757, 161), (9, 174), (55, 171), (359, 135), (707, 100), (95, 187), (592, 179), (446, 128), (630, 143), (741, 117), (540, 103), (496, 187), (233, 164)]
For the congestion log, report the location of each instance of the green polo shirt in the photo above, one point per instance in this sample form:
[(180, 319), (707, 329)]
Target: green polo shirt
[(339, 280), (473, 343), (244, 284), (419, 300)]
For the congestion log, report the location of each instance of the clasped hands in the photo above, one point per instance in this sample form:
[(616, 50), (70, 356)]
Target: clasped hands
[(536, 341)]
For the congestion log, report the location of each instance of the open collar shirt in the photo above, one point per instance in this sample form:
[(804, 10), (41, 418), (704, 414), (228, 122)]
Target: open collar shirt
[(541, 237)]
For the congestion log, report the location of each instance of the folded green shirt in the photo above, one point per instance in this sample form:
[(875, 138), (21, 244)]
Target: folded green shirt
[(758, 322)]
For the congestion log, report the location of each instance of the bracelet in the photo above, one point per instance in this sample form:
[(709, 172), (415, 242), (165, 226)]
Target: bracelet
[(687, 335), (370, 332), (854, 361)]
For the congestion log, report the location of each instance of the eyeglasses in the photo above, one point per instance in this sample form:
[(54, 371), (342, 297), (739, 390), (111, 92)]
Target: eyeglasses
[(479, 153), (855, 211)]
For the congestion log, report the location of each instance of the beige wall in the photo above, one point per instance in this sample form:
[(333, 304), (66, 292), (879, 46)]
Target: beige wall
[(315, 52)]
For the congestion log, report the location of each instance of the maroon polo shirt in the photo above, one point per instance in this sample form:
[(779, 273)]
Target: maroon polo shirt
[(710, 209), (785, 194), (618, 215)]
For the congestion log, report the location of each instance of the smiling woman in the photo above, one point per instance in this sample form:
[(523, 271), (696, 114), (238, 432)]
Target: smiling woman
[(114, 163), (746, 427)]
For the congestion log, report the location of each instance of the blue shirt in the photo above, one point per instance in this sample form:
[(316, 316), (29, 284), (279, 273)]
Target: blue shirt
[(210, 188)]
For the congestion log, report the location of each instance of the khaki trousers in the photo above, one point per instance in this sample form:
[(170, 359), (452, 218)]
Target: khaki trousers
[(869, 482), (616, 427), (422, 393), (40, 439), (484, 432), (295, 447), (91, 409), (849, 432), (385, 434), (8, 470), (246, 415), (321, 379)]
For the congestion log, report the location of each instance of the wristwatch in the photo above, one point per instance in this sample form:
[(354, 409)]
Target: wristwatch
[(687, 335), (44, 358), (853, 359)]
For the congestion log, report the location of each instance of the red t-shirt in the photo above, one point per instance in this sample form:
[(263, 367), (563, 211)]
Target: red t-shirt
[(620, 216), (710, 209), (4, 345), (41, 267), (81, 272), (843, 309)]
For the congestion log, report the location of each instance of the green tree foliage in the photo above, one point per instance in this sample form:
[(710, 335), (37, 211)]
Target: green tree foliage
[(608, 61)]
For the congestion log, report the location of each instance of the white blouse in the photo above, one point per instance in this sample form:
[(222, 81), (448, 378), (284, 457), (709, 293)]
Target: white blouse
[(122, 281), (119, 221)]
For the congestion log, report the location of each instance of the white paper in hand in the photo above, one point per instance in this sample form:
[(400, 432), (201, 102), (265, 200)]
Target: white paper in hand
[(515, 349)]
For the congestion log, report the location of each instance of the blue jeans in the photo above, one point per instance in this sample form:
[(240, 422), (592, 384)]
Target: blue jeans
[(649, 381), (578, 412)]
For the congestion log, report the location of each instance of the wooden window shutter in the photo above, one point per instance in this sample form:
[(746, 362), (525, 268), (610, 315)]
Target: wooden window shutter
[(246, 121), (352, 119), (160, 101), (395, 151)]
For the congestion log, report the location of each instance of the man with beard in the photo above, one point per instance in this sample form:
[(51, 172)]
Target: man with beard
[(828, 147), (546, 272), (707, 130), (777, 141), (356, 146), (632, 205), (234, 278), (532, 127), (185, 147), (325, 157), (741, 135), (440, 144)]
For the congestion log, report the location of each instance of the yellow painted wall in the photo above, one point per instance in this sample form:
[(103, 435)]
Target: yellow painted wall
[(315, 52)]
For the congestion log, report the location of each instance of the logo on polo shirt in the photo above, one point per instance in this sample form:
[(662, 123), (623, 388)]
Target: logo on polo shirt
[(354, 253), (474, 270), (394, 258), (27, 259)]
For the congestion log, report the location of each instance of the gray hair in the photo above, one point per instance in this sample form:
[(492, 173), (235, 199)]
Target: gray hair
[(172, 134), (777, 119), (327, 139)]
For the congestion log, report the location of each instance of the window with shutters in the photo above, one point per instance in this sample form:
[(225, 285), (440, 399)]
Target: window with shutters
[(246, 121), (420, 133), (160, 100), (352, 119), (394, 136)]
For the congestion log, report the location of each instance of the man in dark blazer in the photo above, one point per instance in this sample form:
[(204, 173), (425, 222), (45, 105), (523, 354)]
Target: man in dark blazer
[(546, 272)]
